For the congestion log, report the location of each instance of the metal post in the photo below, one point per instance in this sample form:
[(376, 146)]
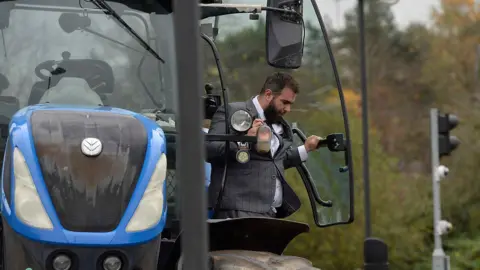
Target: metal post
[(438, 257), (375, 251), (190, 141), (363, 78)]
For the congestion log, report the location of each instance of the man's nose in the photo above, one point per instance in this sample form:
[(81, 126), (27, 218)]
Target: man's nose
[(287, 108)]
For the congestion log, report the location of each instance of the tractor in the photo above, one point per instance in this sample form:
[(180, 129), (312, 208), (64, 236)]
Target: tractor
[(88, 113)]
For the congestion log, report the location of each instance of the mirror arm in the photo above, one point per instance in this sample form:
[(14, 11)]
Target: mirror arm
[(215, 10)]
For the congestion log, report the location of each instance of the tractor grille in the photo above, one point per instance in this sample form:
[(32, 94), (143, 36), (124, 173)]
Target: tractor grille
[(171, 185), (90, 194)]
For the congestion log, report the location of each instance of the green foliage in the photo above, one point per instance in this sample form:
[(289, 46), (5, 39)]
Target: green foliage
[(465, 253)]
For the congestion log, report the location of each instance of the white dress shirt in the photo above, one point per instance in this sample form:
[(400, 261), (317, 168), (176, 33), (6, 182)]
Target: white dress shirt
[(275, 143)]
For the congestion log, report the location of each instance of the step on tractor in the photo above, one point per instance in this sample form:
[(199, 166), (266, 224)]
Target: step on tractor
[(88, 112)]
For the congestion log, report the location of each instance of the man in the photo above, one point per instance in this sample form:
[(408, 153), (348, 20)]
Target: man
[(258, 187)]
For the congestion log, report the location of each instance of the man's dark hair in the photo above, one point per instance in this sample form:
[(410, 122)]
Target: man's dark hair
[(278, 81)]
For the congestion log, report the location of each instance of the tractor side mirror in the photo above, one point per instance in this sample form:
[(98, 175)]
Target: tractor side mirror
[(284, 34)]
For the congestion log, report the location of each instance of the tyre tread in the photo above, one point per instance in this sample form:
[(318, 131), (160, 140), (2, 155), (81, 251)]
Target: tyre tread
[(243, 259)]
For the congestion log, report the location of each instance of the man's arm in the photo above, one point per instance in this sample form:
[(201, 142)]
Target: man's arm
[(216, 149), (294, 157)]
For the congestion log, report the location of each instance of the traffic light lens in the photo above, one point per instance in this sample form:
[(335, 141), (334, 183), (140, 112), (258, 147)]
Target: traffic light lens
[(454, 142), (452, 121)]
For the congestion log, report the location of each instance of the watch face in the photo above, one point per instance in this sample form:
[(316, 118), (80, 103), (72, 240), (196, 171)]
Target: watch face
[(243, 156)]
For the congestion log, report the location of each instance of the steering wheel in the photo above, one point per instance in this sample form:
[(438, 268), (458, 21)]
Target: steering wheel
[(97, 73), (48, 66)]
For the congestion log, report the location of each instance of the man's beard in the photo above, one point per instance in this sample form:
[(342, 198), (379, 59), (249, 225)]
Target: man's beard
[(271, 114)]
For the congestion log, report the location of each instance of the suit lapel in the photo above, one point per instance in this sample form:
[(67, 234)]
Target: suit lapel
[(287, 131), (251, 108), (286, 135), (280, 144)]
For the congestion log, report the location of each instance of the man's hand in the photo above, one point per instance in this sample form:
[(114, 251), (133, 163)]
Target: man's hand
[(312, 142), (256, 124)]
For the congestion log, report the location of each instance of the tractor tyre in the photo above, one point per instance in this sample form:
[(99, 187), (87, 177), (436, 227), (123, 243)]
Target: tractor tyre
[(179, 264), (244, 259)]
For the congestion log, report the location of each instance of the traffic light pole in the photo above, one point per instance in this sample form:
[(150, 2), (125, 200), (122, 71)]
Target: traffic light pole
[(439, 259)]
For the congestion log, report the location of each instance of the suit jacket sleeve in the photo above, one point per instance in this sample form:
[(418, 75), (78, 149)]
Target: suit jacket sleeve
[(292, 158), (216, 149)]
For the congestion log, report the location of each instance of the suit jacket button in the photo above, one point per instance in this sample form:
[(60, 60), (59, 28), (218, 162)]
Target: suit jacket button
[(274, 177)]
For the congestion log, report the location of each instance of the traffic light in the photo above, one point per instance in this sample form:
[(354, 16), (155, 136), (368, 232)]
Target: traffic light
[(446, 142)]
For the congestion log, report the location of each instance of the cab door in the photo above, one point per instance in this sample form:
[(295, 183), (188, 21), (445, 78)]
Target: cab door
[(320, 110)]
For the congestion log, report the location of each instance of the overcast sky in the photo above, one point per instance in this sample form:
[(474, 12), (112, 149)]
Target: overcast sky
[(406, 11)]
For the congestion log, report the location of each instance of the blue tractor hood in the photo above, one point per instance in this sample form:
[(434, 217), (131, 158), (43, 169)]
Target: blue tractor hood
[(89, 199)]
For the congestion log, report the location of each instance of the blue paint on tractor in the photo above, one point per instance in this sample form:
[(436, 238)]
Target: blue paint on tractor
[(21, 137)]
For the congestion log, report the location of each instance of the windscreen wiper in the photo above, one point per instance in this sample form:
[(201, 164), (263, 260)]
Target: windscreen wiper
[(107, 9)]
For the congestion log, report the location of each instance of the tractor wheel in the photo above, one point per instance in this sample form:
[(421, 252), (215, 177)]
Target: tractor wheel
[(179, 265), (253, 260), (244, 259)]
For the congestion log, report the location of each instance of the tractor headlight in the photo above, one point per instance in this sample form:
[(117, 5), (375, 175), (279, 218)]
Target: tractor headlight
[(241, 121), (28, 206), (150, 208)]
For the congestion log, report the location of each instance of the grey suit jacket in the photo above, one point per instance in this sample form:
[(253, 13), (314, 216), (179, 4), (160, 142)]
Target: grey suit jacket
[(251, 186)]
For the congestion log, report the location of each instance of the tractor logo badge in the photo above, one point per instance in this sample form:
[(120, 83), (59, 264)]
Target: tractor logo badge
[(91, 147)]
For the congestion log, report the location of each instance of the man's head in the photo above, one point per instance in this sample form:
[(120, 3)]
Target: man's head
[(278, 94)]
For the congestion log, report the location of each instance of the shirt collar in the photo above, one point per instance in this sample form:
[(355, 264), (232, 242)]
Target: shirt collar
[(258, 108)]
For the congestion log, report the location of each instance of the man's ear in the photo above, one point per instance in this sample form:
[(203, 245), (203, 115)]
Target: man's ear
[(268, 95)]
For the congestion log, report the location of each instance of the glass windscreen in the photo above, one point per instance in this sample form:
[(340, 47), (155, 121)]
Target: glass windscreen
[(71, 52)]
